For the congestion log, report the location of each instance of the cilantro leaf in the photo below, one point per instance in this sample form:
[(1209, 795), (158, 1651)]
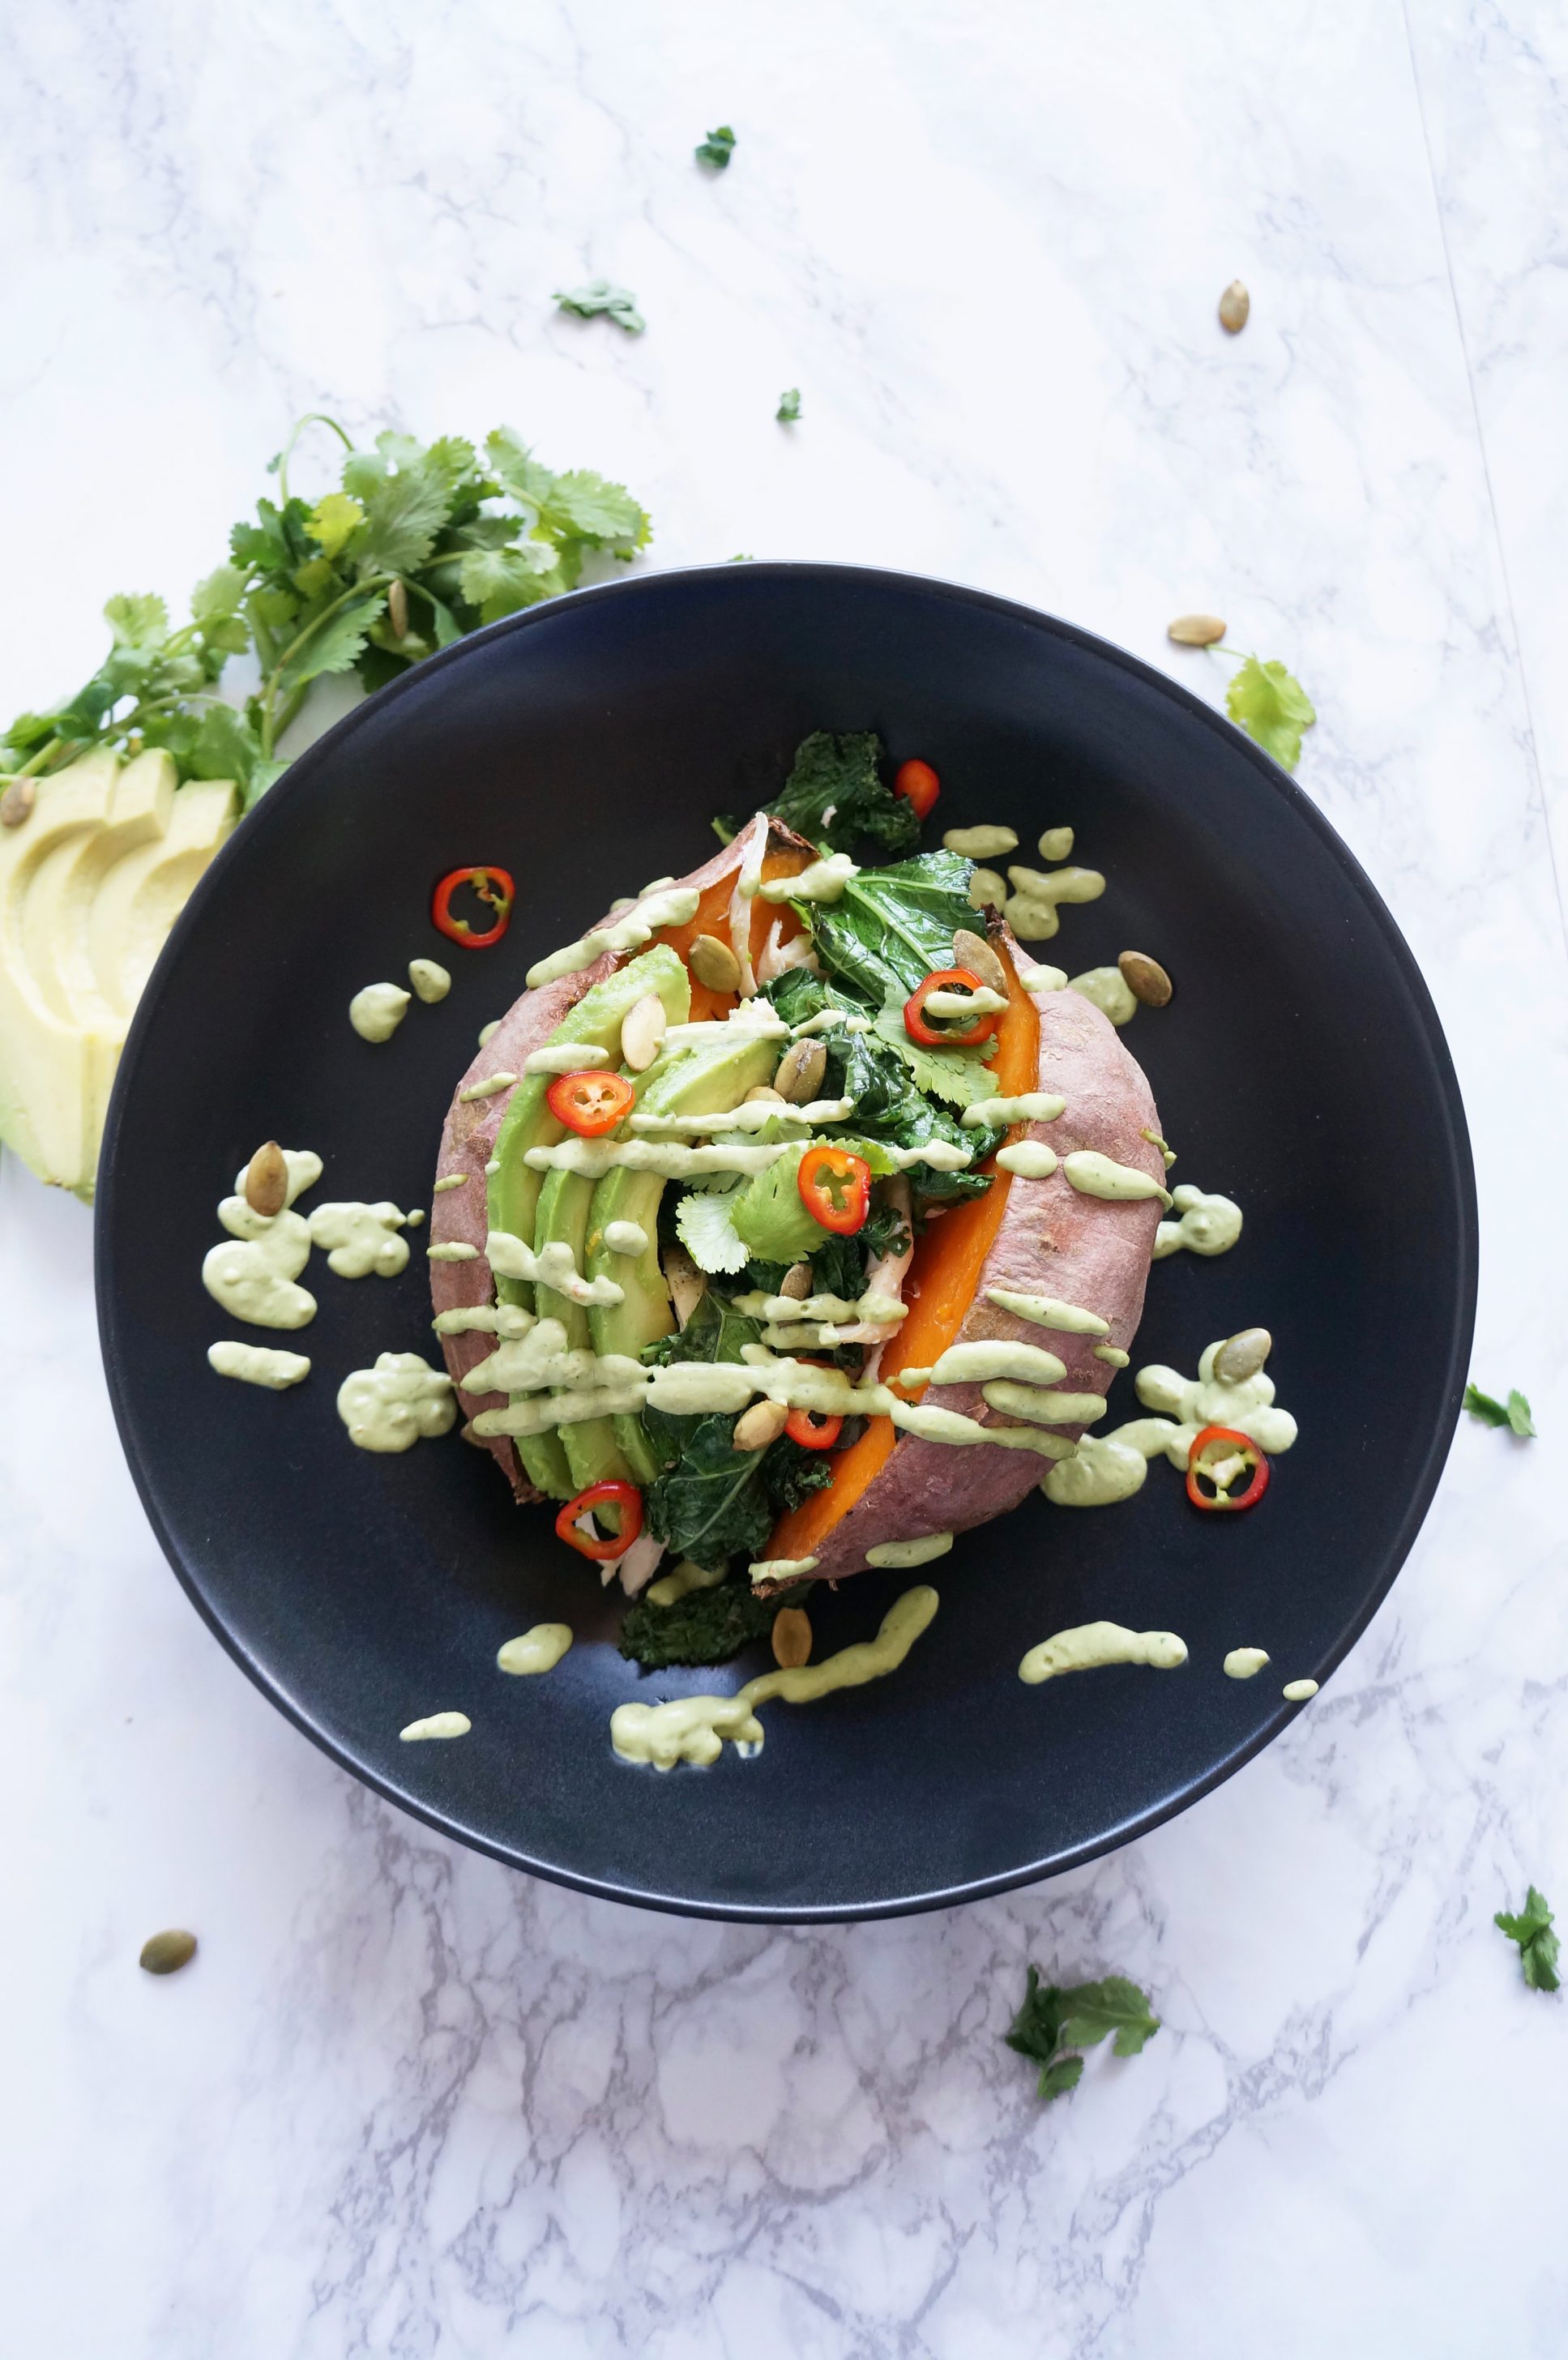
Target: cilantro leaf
[(788, 408), (141, 623), (717, 148), (333, 519), (957, 1075), (501, 581), (332, 644), (705, 1226), (1113, 2006), (1052, 2019), (1531, 1930), (218, 594), (834, 795), (1515, 1413), (1272, 707), (591, 509), (616, 303), (1056, 2080), (404, 509)]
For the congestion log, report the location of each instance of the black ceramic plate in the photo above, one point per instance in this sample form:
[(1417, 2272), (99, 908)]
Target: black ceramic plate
[(585, 745)]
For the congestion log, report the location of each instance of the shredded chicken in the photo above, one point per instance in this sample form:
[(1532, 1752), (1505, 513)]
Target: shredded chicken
[(635, 1564), (777, 958), (747, 878), (885, 1276)]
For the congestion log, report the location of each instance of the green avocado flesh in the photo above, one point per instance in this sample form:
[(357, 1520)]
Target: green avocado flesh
[(517, 1192), (703, 1081)]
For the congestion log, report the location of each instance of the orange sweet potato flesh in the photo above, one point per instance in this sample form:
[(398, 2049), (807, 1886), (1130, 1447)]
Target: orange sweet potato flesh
[(785, 856), (942, 1281)]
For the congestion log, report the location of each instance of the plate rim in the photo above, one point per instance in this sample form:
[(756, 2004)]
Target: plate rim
[(298, 780)]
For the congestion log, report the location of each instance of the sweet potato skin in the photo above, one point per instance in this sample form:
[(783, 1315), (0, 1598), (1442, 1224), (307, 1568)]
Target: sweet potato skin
[(1051, 1241)]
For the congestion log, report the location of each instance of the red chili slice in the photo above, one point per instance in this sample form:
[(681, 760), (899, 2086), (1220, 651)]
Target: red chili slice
[(919, 785), (589, 1103), (624, 1497), (944, 979), (492, 885), (813, 1429), (1210, 1449), (835, 1188)]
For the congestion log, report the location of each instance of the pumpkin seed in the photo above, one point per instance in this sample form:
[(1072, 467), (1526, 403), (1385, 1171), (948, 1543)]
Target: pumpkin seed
[(797, 1282), (1145, 979), (800, 1071), (397, 610), (715, 964), (792, 1637), (974, 952), (166, 1953), (267, 1180), (642, 1032), (763, 1423), (17, 800), (1235, 305), (1242, 1355), (988, 886), (1196, 630)]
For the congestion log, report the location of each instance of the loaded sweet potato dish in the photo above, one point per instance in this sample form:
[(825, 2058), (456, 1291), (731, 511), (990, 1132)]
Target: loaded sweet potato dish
[(795, 1218)]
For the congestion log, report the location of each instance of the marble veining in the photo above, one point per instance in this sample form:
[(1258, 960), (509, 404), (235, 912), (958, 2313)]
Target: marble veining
[(407, 2104)]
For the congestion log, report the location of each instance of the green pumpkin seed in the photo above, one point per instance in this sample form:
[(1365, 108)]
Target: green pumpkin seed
[(166, 1953)]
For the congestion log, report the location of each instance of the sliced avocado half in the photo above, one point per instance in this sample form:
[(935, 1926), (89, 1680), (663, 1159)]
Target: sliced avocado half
[(699, 1081), (513, 1199)]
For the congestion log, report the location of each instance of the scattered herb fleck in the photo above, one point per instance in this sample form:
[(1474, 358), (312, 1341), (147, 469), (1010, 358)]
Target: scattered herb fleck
[(788, 408), (1514, 1413), (617, 303), (1052, 2019), (1537, 1943), (716, 148)]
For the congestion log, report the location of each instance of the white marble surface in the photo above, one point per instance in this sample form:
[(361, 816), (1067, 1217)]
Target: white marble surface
[(405, 2103)]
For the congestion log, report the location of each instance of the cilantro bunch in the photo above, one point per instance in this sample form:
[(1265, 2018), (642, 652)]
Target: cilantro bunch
[(418, 545)]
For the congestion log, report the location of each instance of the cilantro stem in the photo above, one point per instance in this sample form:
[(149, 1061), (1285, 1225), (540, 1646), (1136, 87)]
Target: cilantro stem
[(312, 418), (41, 758), (272, 727)]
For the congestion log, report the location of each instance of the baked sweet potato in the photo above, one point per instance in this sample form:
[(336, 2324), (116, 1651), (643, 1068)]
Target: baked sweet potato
[(459, 1215), (1033, 1237)]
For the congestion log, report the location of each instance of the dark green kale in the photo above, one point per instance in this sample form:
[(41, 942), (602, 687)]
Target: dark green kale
[(712, 1501), (706, 1626), (834, 795), (892, 926), (1052, 2019)]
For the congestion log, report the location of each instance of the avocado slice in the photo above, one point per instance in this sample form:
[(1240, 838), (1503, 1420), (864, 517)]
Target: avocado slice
[(592, 1453), (515, 1188), (701, 1081)]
